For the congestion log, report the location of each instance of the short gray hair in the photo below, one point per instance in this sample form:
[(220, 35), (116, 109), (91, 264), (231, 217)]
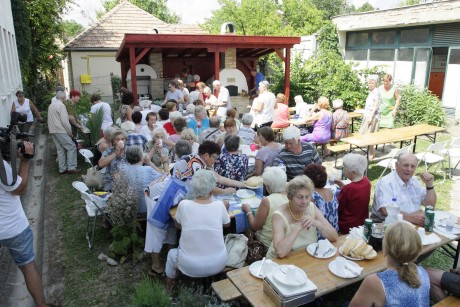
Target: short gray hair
[(291, 133), (174, 115), (214, 122), (207, 90), (275, 179), (199, 110), (337, 103), (232, 142), (108, 132), (187, 133), (215, 82), (134, 154), (190, 109), (247, 119), (299, 183), (118, 132), (355, 162), (159, 130), (60, 95), (298, 99), (203, 182), (264, 83), (182, 148), (374, 78), (128, 126)]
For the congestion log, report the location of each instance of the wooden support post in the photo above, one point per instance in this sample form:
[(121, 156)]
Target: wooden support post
[(287, 74), (132, 61)]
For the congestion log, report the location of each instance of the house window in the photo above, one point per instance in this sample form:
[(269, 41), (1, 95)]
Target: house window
[(357, 39), (384, 58), (403, 68), (357, 56), (382, 38), (414, 36)]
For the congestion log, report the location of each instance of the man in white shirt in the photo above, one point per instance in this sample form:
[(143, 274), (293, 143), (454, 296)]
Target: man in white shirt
[(106, 110), (223, 99), (15, 232), (408, 191), (61, 131)]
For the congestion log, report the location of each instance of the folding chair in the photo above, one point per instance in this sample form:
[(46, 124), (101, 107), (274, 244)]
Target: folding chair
[(453, 152), (389, 163), (94, 206), (434, 154), (88, 154)]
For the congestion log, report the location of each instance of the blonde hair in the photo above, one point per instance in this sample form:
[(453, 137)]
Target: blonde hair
[(299, 183), (281, 97), (188, 134), (389, 77), (323, 103), (403, 245)]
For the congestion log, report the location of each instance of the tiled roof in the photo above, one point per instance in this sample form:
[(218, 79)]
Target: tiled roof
[(109, 31), (429, 13)]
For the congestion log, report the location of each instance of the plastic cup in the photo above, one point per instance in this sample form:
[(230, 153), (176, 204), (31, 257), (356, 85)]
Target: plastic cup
[(253, 147), (450, 222), (421, 232)]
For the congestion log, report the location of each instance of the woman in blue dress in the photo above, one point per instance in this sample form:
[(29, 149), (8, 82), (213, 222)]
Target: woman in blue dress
[(403, 283)]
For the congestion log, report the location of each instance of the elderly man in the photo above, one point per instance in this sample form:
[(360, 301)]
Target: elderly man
[(408, 191), (213, 132), (295, 155), (246, 133), (61, 131), (134, 139), (223, 98)]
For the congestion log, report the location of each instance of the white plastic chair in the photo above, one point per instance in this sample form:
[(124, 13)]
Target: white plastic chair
[(453, 152), (94, 205), (88, 154), (434, 154), (390, 163)]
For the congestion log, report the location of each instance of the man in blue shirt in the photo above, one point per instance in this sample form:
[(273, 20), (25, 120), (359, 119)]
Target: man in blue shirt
[(259, 77)]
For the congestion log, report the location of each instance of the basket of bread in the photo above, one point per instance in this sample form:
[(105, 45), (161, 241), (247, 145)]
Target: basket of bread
[(254, 182), (357, 249)]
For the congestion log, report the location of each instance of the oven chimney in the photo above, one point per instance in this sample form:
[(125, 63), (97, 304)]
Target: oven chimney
[(227, 28)]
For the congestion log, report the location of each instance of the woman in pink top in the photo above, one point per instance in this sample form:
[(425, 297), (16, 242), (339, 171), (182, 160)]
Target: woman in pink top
[(281, 112)]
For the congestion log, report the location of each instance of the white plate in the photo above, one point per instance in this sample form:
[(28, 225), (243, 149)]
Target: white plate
[(255, 203), (311, 250), (280, 276), (243, 193), (346, 273), (346, 256), (254, 269), (253, 188), (440, 215)]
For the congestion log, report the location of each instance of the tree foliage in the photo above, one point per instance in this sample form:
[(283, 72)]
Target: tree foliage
[(70, 29), (157, 8), (266, 17)]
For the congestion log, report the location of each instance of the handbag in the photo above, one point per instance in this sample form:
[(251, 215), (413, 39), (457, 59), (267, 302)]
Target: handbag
[(256, 249), (237, 250), (93, 177)]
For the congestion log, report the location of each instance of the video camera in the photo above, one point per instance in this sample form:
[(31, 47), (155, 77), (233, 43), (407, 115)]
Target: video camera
[(9, 135)]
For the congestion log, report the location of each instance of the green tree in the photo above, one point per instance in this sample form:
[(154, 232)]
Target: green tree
[(70, 29), (157, 8), (23, 38), (331, 7), (366, 7), (266, 17), (409, 2)]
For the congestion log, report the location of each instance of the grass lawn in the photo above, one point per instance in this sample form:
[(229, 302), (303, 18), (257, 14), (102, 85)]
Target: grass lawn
[(91, 282)]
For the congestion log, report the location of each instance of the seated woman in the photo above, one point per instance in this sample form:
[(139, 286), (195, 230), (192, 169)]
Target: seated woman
[(403, 283), (297, 223), (324, 198), (138, 175), (275, 182), (268, 152), (246, 133), (189, 136), (178, 124), (158, 150), (322, 122), (102, 145), (112, 158), (232, 164), (281, 112), (354, 197), (201, 250), (340, 121), (200, 121), (151, 119)]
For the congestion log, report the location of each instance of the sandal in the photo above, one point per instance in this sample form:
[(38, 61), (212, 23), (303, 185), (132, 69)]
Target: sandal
[(153, 273)]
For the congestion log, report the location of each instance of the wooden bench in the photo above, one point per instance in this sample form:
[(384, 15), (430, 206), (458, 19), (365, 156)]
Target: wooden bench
[(448, 302), (336, 149), (225, 290)]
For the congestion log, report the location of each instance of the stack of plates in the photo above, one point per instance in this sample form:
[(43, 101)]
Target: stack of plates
[(289, 291)]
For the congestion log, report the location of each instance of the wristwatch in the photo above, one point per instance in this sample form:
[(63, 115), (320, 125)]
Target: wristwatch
[(430, 188)]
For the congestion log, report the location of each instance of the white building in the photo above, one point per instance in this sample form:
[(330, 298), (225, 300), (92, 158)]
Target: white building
[(418, 44), (10, 73)]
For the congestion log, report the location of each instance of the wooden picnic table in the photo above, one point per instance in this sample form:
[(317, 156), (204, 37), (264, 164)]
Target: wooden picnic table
[(317, 271), (353, 116)]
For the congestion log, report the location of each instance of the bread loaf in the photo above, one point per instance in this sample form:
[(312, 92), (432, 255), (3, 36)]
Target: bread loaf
[(254, 182), (358, 248)]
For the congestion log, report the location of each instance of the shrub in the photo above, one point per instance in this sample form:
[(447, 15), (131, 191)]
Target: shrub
[(419, 107), (83, 106), (150, 293), (94, 124)]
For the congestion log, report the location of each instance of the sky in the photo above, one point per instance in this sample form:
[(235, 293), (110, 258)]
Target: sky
[(191, 11)]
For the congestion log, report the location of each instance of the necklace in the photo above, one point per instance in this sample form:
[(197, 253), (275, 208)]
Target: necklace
[(292, 214)]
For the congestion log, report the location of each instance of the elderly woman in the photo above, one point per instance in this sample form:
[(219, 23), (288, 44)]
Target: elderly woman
[(158, 149), (25, 106), (295, 155), (322, 122), (389, 102), (324, 198), (275, 183), (403, 283), (371, 118), (213, 132), (354, 197), (281, 112), (267, 152), (299, 222), (189, 136), (232, 164), (102, 144), (173, 93), (201, 250), (151, 119), (200, 121), (302, 109), (138, 175), (263, 107), (246, 133), (340, 121), (113, 157)]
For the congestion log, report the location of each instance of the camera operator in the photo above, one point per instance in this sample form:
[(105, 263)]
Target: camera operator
[(15, 232)]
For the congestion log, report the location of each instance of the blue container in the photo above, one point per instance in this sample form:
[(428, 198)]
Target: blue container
[(259, 192)]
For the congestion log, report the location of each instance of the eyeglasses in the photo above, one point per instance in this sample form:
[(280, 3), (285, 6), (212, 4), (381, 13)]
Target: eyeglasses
[(215, 156), (308, 197)]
